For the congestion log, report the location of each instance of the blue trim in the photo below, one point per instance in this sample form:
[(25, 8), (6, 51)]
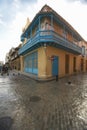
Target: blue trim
[(55, 66), (52, 20), (49, 36), (30, 70), (35, 71), (31, 33), (39, 22), (31, 64), (54, 17)]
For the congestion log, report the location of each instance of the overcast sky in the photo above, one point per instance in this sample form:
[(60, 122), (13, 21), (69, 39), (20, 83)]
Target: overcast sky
[(14, 13)]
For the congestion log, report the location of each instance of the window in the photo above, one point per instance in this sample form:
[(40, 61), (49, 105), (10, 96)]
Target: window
[(83, 50), (48, 26), (64, 34), (75, 41), (31, 63), (67, 60), (74, 64)]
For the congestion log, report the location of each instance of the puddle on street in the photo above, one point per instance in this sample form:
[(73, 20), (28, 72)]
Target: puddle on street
[(3, 92), (82, 107)]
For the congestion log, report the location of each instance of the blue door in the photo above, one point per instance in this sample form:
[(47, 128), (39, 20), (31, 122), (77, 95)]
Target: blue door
[(55, 66)]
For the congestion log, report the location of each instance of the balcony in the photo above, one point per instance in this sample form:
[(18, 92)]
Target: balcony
[(51, 38)]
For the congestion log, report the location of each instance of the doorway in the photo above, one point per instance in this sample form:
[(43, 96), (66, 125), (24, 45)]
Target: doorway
[(67, 64), (55, 66)]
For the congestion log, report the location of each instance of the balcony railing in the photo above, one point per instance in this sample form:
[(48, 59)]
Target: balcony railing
[(52, 37)]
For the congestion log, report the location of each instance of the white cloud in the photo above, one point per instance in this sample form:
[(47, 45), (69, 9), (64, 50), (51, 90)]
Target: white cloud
[(1, 22), (16, 4), (19, 22), (11, 32), (1, 15)]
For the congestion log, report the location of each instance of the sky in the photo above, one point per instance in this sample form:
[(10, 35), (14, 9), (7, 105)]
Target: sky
[(14, 13)]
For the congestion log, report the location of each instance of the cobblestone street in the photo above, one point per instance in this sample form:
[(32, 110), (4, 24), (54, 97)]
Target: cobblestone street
[(54, 105)]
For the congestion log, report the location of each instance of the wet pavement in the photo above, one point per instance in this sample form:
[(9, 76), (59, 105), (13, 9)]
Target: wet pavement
[(26, 104)]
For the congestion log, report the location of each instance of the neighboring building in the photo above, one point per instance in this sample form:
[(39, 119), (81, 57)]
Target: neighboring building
[(51, 46), (7, 58), (13, 59), (1, 64)]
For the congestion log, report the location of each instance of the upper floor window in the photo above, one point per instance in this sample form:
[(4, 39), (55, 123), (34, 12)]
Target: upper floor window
[(75, 41), (64, 34), (48, 26), (83, 51), (37, 28)]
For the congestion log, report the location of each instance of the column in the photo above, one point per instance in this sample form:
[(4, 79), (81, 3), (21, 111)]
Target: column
[(51, 20), (31, 33), (39, 23)]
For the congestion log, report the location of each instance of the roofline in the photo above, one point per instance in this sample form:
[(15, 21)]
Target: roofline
[(58, 16)]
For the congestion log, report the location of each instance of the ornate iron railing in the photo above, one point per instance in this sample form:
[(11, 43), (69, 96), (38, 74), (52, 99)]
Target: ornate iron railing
[(49, 36)]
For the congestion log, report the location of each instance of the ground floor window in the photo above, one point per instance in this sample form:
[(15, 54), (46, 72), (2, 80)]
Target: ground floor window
[(31, 63), (86, 65), (67, 64), (82, 64), (74, 64)]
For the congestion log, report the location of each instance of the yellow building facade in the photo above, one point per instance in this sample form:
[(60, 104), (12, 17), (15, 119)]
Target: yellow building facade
[(15, 64), (52, 47)]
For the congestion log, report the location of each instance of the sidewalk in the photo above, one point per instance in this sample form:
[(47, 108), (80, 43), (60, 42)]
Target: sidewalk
[(33, 76)]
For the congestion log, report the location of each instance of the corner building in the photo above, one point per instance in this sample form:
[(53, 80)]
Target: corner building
[(51, 46)]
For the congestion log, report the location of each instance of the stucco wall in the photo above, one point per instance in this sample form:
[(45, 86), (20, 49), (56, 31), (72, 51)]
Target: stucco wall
[(22, 63), (61, 55), (15, 64), (45, 63), (42, 62)]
